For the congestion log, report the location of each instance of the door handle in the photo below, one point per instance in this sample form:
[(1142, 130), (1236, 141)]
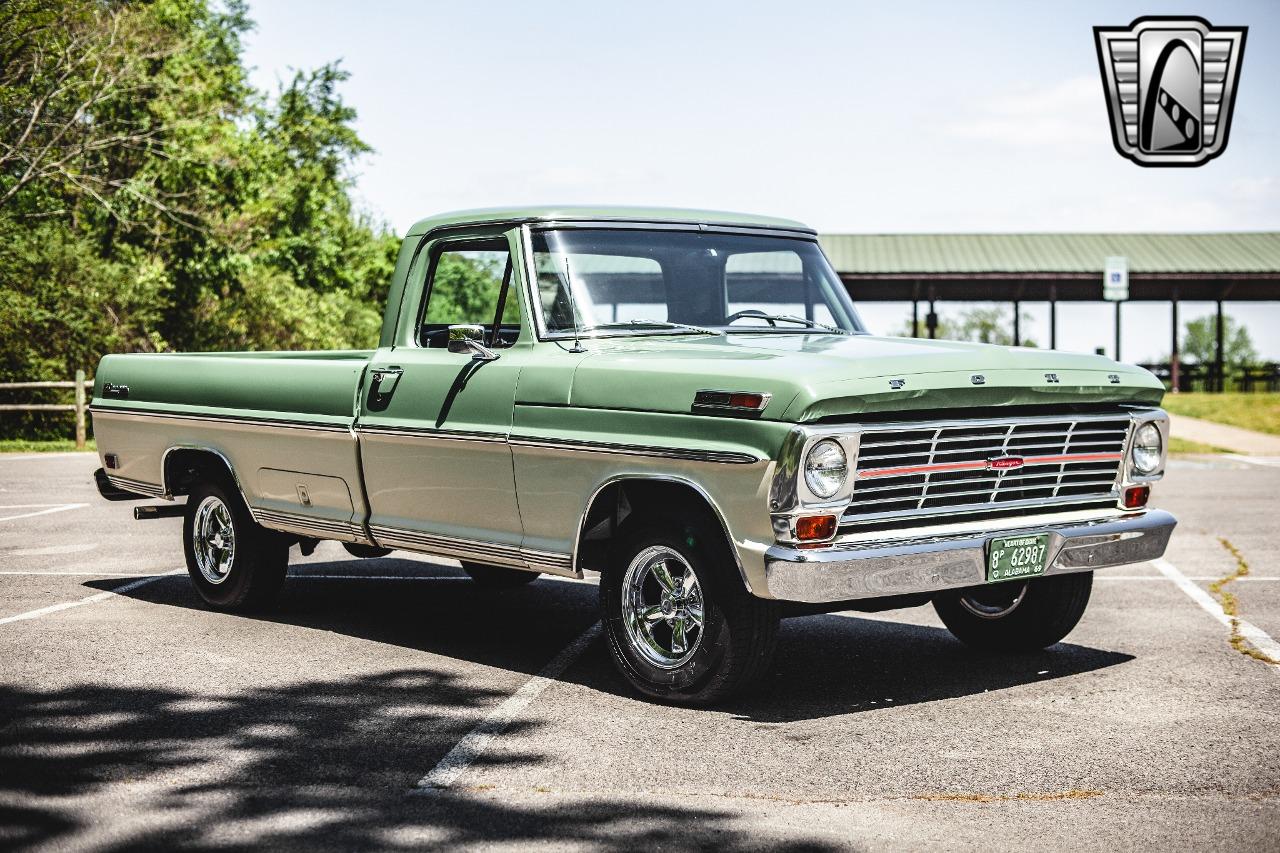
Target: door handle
[(384, 380)]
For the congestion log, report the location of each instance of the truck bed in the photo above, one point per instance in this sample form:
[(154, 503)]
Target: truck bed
[(282, 421)]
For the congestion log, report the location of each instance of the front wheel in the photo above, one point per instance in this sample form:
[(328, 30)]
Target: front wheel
[(1016, 616), (234, 563), (682, 627)]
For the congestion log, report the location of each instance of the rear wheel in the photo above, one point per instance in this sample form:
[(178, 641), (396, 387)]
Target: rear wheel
[(498, 577), (234, 563), (1016, 616), (682, 627)]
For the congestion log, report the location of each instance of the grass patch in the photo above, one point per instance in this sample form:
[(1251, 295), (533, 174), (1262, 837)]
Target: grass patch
[(1231, 605), (49, 445), (1259, 412), (1183, 445)]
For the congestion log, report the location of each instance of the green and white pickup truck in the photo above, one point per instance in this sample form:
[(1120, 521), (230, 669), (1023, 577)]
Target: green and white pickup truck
[(683, 401)]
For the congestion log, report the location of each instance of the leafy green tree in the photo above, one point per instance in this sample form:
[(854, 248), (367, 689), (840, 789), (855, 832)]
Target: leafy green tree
[(151, 199), (1200, 342), (981, 324)]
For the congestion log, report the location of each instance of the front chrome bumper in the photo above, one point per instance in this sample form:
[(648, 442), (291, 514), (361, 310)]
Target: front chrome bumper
[(932, 564)]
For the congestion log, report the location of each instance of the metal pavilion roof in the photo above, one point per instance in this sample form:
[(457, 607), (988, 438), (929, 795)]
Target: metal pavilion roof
[(976, 254)]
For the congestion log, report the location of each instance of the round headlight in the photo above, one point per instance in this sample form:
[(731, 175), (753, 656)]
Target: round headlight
[(1146, 449), (825, 468)]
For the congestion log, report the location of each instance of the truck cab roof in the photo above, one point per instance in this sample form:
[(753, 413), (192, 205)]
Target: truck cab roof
[(591, 213)]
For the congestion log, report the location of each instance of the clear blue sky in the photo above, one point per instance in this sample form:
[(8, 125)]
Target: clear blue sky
[(876, 117)]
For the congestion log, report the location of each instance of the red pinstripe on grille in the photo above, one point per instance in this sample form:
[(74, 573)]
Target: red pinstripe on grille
[(981, 464)]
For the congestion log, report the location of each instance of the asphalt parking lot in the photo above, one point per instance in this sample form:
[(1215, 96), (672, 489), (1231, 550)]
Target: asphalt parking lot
[(132, 717)]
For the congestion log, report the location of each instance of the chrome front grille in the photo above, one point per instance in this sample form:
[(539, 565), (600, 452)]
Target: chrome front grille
[(944, 469)]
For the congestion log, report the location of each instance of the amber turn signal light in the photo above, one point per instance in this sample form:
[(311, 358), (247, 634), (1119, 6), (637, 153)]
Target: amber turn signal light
[(1135, 497), (814, 527)]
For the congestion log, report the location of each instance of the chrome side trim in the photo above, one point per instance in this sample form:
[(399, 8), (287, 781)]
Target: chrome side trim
[(233, 419), (426, 432), (686, 454), (138, 487), (934, 564), (309, 525), (549, 561), (494, 553)]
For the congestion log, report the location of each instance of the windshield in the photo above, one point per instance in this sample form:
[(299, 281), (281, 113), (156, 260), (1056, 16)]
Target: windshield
[(614, 281)]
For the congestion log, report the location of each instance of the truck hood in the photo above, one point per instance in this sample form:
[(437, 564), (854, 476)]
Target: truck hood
[(815, 376)]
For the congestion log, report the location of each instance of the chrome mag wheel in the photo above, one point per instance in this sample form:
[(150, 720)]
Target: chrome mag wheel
[(214, 539), (662, 607), (994, 601)]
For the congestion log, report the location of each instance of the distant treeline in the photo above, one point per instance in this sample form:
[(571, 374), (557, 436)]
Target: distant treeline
[(152, 199)]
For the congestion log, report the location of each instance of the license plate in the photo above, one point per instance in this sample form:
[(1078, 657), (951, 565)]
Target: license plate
[(1016, 557)]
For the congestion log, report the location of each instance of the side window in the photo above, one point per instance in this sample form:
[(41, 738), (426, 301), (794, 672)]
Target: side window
[(773, 283), (468, 280)]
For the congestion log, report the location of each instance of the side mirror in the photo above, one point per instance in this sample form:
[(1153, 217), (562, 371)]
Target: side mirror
[(469, 338), (461, 337)]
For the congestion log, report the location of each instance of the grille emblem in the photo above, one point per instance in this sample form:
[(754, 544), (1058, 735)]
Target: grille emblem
[(978, 379), (1005, 463), (1052, 378), (895, 384)]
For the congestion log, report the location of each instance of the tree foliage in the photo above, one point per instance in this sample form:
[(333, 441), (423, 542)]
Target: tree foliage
[(980, 324), (151, 199), (1200, 342)]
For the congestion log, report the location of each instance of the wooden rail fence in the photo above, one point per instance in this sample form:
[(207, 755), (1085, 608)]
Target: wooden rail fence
[(80, 384)]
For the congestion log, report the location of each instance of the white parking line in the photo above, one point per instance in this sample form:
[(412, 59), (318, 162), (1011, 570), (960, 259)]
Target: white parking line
[(101, 596), (1162, 578), (51, 508), (475, 742), (1255, 635), (57, 573), (1264, 461), (72, 454)]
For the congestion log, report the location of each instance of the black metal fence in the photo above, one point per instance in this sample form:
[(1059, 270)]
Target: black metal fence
[(1206, 377)]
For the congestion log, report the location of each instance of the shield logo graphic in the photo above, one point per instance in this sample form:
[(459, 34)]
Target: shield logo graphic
[(1170, 85)]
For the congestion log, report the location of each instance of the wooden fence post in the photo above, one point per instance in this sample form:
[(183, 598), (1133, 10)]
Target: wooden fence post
[(79, 410)]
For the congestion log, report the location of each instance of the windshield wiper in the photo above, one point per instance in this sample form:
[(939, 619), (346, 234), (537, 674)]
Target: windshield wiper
[(813, 324), (655, 324)]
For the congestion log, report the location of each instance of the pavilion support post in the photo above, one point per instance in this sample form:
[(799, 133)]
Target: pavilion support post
[(1118, 304), (1175, 369), (1017, 323), (1220, 367), (915, 318), (931, 320), (1053, 316)]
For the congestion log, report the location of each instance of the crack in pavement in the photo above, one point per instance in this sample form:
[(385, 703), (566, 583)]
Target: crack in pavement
[(1231, 605)]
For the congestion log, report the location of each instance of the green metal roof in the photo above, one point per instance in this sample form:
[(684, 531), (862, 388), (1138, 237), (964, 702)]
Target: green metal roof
[(627, 214), (959, 254)]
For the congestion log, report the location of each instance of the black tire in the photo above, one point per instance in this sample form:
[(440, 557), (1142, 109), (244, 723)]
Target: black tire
[(1047, 611), (259, 559), (738, 632), (498, 577)]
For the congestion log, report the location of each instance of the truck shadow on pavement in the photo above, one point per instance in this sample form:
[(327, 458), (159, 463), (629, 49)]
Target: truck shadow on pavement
[(825, 666)]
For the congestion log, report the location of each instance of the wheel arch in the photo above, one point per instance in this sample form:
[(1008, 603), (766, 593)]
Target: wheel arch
[(634, 493), (181, 465)]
